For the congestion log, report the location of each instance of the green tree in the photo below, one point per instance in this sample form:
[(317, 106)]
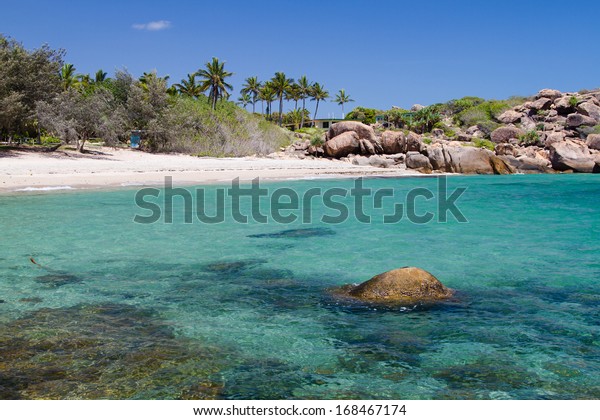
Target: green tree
[(293, 94), (281, 84), (214, 80), (304, 90), (318, 93), (68, 77), (100, 76), (189, 87), (244, 100), (341, 98), (267, 94), (252, 87), (26, 76), (77, 117)]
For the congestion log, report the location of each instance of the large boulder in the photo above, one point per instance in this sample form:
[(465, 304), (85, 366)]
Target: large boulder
[(549, 93), (593, 141), (504, 134), (393, 142), (569, 155), (564, 105), (577, 120), (590, 109), (415, 160), (541, 104), (509, 117), (414, 143), (342, 145), (402, 286), (362, 130), (554, 137), (366, 147), (466, 160), (526, 164), (508, 149)]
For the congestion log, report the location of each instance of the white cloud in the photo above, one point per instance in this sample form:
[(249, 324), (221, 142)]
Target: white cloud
[(157, 25)]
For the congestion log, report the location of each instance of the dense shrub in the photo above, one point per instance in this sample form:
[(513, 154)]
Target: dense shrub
[(364, 115), (192, 126)]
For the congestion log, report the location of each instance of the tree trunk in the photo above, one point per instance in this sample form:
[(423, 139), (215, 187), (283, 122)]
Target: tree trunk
[(280, 109), (80, 144), (303, 109), (253, 102), (316, 109)]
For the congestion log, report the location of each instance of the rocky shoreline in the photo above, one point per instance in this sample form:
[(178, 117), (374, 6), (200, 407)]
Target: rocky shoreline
[(552, 132)]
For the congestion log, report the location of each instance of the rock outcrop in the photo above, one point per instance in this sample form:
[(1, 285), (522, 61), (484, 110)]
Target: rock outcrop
[(466, 160), (402, 286), (553, 131), (362, 130), (569, 155), (504, 134), (342, 145)]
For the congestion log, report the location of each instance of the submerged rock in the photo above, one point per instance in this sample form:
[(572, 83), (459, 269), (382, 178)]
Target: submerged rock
[(57, 279), (406, 285), (296, 233), (102, 351), (232, 266)]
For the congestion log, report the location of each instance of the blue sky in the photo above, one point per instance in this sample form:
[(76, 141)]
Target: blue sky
[(383, 53)]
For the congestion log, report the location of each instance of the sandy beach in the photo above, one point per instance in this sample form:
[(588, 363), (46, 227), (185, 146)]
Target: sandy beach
[(108, 167)]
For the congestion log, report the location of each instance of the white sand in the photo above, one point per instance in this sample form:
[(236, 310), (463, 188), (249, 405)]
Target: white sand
[(107, 167)]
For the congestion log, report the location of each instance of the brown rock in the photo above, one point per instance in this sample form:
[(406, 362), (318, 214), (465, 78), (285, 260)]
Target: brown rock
[(549, 93), (414, 143), (406, 285), (563, 105), (510, 116), (505, 149), (342, 145), (415, 160), (527, 164), (504, 134), (576, 120), (366, 147), (570, 155), (466, 160), (542, 103), (393, 142), (362, 130), (589, 109), (593, 141)]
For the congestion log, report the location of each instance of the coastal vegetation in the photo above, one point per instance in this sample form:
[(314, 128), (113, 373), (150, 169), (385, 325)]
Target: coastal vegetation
[(43, 98)]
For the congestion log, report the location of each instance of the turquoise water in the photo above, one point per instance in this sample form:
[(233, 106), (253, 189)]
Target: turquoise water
[(124, 310)]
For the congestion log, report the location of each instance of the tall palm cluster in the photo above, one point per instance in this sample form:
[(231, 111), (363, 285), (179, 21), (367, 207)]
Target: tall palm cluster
[(280, 88), (70, 79), (212, 80)]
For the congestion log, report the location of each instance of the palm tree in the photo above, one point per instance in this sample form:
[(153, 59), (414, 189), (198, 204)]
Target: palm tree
[(67, 76), (304, 92), (214, 76), (293, 94), (100, 76), (318, 93), (84, 81), (244, 99), (147, 78), (189, 87), (252, 87), (341, 98), (267, 94), (281, 85)]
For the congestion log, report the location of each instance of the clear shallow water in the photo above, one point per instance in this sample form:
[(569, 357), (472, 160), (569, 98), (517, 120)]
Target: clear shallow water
[(123, 310)]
